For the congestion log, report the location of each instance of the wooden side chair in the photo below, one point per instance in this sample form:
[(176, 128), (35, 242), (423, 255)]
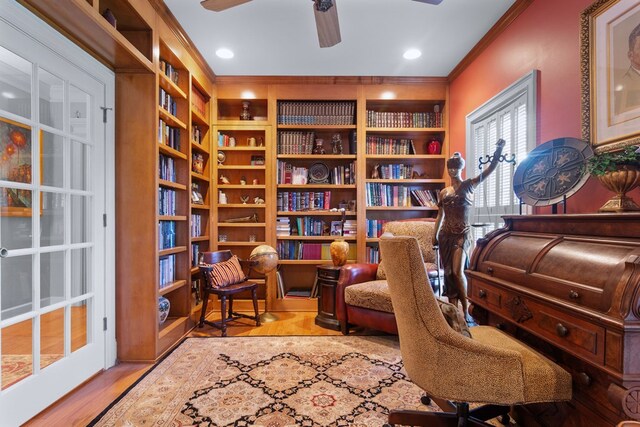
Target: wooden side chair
[(224, 276)]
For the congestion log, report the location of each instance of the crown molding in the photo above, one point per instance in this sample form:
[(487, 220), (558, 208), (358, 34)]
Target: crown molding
[(509, 16), (329, 80)]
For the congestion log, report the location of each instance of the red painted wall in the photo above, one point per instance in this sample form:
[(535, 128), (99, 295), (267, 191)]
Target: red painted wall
[(546, 37)]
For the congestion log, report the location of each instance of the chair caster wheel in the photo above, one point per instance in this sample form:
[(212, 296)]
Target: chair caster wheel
[(425, 400), (505, 420)]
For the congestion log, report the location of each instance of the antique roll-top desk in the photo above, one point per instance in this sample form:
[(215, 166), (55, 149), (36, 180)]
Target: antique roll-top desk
[(569, 285)]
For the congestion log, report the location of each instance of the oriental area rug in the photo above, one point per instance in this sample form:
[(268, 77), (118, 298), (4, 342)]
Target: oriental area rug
[(271, 381)]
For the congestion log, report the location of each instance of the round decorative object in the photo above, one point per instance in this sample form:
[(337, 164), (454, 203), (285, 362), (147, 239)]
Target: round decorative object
[(552, 171), (266, 259), (318, 173), (163, 309), (221, 157), (631, 403), (339, 250)]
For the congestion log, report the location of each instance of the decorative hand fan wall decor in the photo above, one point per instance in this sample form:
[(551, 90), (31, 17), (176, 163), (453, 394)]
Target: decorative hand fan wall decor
[(324, 11)]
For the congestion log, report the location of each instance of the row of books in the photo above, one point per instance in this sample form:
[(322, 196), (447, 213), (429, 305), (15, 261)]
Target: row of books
[(350, 227), (428, 198), (343, 175), (196, 225), (283, 226), (195, 254), (196, 134), (372, 255), (167, 271), (166, 201), (316, 112), (168, 135), (166, 168), (199, 102), (294, 201), (225, 140), (386, 119), (396, 171), (339, 175), (297, 250), (166, 234), (374, 227), (294, 142), (290, 174), (169, 71), (388, 195), (168, 103), (384, 145), (309, 226)]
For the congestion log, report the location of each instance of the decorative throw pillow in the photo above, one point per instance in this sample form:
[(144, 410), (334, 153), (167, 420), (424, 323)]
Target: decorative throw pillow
[(454, 317), (226, 273)]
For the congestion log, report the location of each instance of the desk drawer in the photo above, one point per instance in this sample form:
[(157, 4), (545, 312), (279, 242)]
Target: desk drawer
[(560, 328)]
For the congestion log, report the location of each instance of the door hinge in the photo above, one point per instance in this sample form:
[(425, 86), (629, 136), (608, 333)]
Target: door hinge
[(104, 323), (104, 113), (104, 220)]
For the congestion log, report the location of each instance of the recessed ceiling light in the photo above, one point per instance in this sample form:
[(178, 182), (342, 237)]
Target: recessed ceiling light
[(248, 94), (224, 53), (412, 54), (388, 95), (8, 95)]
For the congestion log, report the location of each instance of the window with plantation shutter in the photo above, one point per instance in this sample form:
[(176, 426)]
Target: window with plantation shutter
[(510, 115)]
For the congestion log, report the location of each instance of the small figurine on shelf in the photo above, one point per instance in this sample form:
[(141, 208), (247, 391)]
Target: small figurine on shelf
[(336, 144), (258, 201), (416, 175), (255, 181), (318, 148), (245, 114), (222, 198), (224, 180), (375, 173), (434, 146), (244, 199), (243, 180)]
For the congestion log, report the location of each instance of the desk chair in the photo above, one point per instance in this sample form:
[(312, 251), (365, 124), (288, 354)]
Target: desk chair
[(491, 367), (223, 276)]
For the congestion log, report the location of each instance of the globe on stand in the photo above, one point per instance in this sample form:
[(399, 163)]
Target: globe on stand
[(264, 260)]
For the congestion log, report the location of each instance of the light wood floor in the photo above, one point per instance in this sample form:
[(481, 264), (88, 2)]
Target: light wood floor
[(79, 407)]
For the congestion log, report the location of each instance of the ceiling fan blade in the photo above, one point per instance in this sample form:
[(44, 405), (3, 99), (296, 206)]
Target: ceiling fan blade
[(220, 5), (327, 23), (429, 1)]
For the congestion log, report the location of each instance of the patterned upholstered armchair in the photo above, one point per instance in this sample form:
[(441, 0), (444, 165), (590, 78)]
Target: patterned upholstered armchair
[(362, 294)]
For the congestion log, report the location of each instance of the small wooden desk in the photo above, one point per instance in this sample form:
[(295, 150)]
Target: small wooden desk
[(327, 282)]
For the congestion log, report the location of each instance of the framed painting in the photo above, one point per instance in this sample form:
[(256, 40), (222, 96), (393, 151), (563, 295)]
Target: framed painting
[(15, 166), (610, 68)]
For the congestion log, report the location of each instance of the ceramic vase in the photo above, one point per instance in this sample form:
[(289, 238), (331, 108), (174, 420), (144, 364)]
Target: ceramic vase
[(434, 146), (339, 250), (163, 309)]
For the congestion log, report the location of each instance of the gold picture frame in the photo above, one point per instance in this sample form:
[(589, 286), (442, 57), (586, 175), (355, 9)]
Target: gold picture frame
[(610, 96), (15, 165)]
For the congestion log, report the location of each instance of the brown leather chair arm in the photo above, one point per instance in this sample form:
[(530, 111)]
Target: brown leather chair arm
[(350, 275)]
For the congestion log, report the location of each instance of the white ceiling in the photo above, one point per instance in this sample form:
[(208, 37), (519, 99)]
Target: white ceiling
[(278, 37)]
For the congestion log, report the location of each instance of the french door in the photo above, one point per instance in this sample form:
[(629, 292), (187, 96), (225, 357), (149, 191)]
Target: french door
[(53, 146)]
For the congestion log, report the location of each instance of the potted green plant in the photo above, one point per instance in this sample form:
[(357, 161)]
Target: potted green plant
[(619, 171)]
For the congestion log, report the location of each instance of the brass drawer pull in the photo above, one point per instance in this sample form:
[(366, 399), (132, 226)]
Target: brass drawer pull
[(584, 379), (574, 295), (562, 330), (482, 294), (490, 270)]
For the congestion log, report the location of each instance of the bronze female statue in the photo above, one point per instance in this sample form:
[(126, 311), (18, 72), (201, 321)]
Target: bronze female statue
[(452, 231)]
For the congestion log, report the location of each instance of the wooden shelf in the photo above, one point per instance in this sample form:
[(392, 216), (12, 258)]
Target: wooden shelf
[(392, 130), (242, 167), (200, 207), (405, 157), (308, 261), (241, 206), (400, 208), (315, 186), (318, 156), (172, 217), (171, 324), (372, 240), (240, 224), (172, 251), (171, 184), (170, 87), (407, 181), (241, 148), (199, 176), (240, 186), (200, 239), (171, 152), (316, 127), (223, 121), (315, 213), (198, 118), (172, 287), (170, 119), (199, 147), (318, 238), (240, 243)]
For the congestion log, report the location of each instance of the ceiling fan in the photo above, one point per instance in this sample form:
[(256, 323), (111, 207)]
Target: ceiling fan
[(324, 11)]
